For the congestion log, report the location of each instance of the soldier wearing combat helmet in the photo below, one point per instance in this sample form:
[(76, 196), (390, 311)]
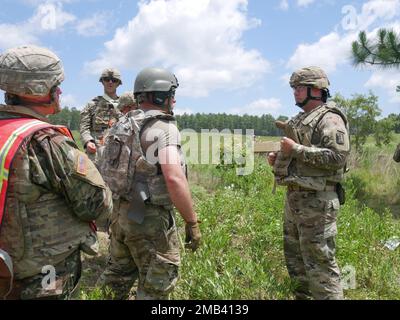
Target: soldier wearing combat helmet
[(144, 235), (311, 164), (50, 191), (97, 117)]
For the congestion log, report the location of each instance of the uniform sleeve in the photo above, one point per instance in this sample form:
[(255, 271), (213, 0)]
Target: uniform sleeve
[(68, 171), (168, 135), (86, 122), (330, 146)]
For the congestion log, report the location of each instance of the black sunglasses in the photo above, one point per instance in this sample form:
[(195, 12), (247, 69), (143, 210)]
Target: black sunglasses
[(108, 79)]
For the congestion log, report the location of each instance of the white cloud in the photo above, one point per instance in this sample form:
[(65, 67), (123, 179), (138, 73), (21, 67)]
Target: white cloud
[(96, 25), (284, 5), (329, 52), (387, 80), (377, 9), (304, 3), (201, 41), (334, 49), (47, 18), (68, 100), (15, 35), (259, 107), (180, 111)]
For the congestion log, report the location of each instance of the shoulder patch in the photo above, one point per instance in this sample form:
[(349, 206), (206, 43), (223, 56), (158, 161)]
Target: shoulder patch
[(82, 164), (340, 137)]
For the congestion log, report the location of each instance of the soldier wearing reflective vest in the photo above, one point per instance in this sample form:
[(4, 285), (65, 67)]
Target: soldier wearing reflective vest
[(50, 191), (144, 167), (311, 164)]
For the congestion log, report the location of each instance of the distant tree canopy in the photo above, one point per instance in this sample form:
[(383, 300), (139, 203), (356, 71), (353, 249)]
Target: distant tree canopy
[(67, 117), (362, 112), (262, 125)]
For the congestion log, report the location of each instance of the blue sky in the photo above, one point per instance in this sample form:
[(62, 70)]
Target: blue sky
[(232, 56)]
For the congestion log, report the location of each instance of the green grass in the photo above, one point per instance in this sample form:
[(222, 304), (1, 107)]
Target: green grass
[(241, 256)]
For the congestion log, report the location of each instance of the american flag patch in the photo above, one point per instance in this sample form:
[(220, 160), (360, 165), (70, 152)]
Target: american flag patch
[(82, 164)]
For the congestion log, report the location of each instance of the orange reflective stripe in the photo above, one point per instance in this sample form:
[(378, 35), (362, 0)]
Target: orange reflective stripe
[(12, 134)]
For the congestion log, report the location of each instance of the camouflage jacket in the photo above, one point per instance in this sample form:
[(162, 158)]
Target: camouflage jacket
[(321, 151), (97, 117), (54, 191)]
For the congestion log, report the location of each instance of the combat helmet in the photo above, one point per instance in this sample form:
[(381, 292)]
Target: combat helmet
[(126, 99), (112, 73), (161, 82), (30, 70), (311, 77)]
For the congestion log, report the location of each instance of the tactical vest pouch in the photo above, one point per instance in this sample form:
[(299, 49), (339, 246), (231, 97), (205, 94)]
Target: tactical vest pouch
[(115, 162), (281, 167), (341, 194), (158, 191)]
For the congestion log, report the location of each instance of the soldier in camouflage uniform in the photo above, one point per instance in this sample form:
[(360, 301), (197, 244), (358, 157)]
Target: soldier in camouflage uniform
[(97, 115), (311, 164), (127, 102), (54, 191), (143, 230)]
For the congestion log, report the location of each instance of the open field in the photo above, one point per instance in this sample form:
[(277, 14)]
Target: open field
[(242, 252)]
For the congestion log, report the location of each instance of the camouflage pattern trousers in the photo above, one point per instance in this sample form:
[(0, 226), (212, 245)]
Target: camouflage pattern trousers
[(148, 251), (309, 243), (39, 287)]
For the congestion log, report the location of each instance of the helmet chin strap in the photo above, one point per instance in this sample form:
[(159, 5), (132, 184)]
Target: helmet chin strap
[(306, 100)]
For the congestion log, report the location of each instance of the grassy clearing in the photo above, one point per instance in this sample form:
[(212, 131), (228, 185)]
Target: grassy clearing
[(242, 255), (242, 252), (376, 177)]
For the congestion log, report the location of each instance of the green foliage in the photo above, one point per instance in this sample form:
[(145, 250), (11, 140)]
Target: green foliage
[(242, 252), (395, 118), (67, 117), (383, 51), (263, 125), (362, 112), (384, 132)]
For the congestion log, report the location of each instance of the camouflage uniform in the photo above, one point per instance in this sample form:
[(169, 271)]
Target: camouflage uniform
[(96, 118), (48, 208), (312, 172), (126, 100), (148, 249), (54, 192)]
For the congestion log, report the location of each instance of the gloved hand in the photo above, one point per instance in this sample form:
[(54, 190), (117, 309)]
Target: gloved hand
[(193, 235)]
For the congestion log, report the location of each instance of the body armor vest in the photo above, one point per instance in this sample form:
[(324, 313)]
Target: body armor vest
[(290, 171), (103, 113), (38, 226), (124, 166)]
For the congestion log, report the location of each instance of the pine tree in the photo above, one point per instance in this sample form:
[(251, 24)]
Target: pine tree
[(383, 51)]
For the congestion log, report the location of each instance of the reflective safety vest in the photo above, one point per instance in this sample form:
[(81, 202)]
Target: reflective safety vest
[(13, 132)]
